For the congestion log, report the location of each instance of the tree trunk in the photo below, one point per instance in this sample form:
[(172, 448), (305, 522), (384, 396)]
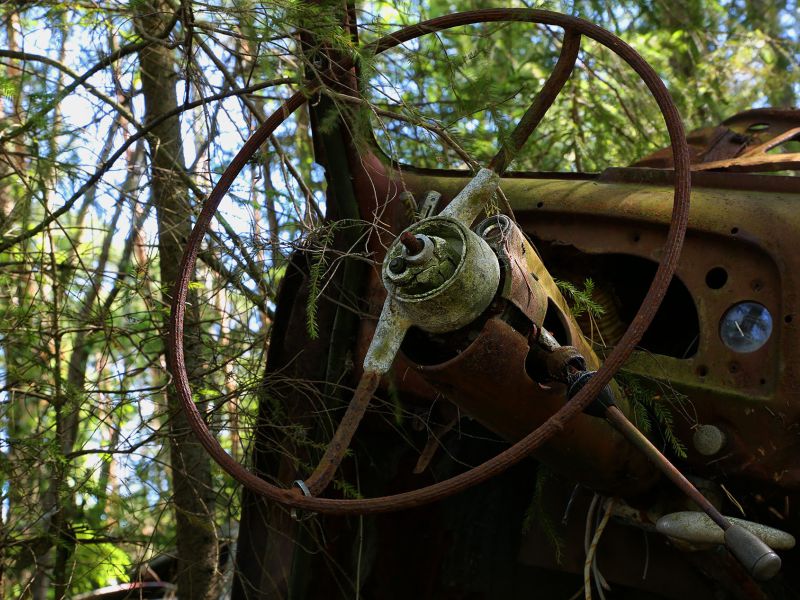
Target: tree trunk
[(198, 553)]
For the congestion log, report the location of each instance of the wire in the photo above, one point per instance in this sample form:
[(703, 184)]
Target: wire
[(590, 555)]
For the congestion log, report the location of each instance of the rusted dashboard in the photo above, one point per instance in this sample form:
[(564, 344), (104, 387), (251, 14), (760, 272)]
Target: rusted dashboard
[(741, 247)]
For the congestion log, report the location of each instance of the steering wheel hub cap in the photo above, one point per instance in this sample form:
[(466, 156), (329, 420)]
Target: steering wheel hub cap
[(446, 284)]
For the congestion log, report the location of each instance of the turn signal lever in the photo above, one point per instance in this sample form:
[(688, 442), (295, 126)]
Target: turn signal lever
[(759, 559)]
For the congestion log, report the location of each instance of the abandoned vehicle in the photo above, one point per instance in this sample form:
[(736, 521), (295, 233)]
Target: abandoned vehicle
[(542, 382)]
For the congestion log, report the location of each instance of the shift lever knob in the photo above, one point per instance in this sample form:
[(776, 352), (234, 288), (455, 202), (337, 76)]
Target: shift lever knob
[(759, 559)]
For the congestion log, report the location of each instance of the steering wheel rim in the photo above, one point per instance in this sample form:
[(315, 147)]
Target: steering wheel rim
[(556, 422)]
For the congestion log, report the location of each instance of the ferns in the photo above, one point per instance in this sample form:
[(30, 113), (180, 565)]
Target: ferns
[(581, 300), (318, 266), (651, 402), (648, 403)]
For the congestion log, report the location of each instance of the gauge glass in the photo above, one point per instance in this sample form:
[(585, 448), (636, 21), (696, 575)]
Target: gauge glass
[(746, 327)]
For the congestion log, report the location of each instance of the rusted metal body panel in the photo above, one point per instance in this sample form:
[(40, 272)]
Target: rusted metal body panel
[(740, 143)]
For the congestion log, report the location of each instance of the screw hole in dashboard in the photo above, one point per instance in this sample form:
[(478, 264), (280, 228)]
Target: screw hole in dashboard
[(716, 278)]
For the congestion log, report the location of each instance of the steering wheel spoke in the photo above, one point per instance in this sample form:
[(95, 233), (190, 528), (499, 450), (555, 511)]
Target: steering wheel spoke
[(470, 201), (541, 103), (340, 442)]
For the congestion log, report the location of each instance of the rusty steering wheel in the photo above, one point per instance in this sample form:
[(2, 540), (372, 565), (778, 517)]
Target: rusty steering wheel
[(391, 326)]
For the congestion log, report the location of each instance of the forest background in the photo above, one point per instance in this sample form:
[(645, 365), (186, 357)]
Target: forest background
[(117, 118)]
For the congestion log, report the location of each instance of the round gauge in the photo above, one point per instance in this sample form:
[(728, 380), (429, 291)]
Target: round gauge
[(746, 327)]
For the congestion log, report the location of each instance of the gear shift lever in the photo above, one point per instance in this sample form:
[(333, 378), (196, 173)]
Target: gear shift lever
[(760, 560)]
